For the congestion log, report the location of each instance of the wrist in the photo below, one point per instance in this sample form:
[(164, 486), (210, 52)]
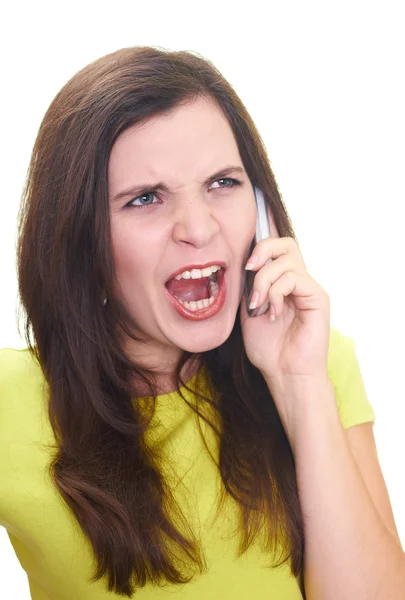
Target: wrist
[(298, 385), (301, 399)]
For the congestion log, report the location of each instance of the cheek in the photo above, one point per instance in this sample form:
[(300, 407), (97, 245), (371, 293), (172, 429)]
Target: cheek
[(240, 235), (127, 257), (249, 225)]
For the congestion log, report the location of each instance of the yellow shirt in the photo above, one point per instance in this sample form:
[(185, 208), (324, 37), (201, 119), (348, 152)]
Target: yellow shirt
[(47, 539)]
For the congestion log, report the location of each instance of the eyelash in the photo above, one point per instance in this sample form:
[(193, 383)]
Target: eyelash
[(235, 182)]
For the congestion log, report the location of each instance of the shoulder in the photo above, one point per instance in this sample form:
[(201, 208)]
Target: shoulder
[(17, 366), (340, 346), (342, 356), (10, 358), (345, 374), (21, 382)]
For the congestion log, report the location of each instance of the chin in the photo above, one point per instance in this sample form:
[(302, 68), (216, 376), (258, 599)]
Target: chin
[(207, 339)]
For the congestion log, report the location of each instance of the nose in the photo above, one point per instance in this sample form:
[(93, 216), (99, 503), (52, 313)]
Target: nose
[(194, 223)]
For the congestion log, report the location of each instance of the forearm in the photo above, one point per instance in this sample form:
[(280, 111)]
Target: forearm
[(349, 554)]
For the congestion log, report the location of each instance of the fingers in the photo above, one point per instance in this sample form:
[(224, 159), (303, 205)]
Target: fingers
[(283, 287), (267, 276), (307, 293), (271, 248)]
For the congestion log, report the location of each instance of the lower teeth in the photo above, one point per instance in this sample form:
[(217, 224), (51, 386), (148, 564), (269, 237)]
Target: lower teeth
[(201, 303)]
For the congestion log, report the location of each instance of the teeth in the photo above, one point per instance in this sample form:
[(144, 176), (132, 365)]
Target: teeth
[(204, 272), (198, 273), (193, 306), (199, 304)]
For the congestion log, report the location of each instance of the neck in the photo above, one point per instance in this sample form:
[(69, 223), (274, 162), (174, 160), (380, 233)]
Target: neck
[(166, 381)]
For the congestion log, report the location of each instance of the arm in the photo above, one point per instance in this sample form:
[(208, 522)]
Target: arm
[(349, 553)]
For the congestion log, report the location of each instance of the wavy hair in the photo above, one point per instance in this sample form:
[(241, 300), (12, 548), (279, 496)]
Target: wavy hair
[(103, 469)]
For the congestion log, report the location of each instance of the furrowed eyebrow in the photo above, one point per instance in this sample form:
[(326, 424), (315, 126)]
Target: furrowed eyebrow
[(148, 187)]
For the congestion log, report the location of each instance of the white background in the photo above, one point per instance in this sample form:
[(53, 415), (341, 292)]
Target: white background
[(324, 83)]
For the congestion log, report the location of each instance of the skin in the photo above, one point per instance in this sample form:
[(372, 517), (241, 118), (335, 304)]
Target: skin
[(191, 223)]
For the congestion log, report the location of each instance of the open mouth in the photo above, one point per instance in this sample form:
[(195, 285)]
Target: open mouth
[(196, 294)]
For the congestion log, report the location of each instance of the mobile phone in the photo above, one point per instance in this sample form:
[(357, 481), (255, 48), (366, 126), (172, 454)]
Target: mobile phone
[(262, 232)]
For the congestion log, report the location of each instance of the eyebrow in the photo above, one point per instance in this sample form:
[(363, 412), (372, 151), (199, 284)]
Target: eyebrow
[(148, 187)]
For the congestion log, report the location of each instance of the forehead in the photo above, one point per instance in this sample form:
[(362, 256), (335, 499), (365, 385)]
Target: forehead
[(190, 141)]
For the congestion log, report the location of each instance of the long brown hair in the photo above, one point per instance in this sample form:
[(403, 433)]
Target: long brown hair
[(102, 467)]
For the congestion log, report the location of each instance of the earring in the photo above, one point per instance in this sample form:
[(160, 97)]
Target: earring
[(105, 301)]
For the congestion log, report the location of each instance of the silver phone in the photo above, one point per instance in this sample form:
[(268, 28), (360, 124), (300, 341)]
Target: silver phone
[(262, 232)]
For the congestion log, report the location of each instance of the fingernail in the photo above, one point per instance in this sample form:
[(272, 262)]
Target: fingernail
[(254, 299), (252, 261)]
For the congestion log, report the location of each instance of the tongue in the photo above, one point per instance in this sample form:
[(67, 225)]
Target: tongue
[(189, 290)]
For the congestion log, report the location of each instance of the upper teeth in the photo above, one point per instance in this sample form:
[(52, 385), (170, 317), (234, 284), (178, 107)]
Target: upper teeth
[(198, 273)]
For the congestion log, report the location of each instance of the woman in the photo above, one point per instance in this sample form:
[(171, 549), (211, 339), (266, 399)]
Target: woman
[(150, 444)]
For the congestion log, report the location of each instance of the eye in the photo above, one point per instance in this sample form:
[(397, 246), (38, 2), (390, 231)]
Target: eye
[(141, 198), (146, 199), (230, 182)]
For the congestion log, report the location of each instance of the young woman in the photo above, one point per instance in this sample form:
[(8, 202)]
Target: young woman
[(156, 440)]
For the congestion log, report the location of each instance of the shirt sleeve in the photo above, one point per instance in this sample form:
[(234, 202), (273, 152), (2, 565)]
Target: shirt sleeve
[(344, 371)]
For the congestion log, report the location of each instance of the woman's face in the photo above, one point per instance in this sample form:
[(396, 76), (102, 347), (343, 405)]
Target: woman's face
[(186, 223)]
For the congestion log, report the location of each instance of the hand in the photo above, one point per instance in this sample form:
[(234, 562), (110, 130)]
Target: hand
[(293, 347)]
